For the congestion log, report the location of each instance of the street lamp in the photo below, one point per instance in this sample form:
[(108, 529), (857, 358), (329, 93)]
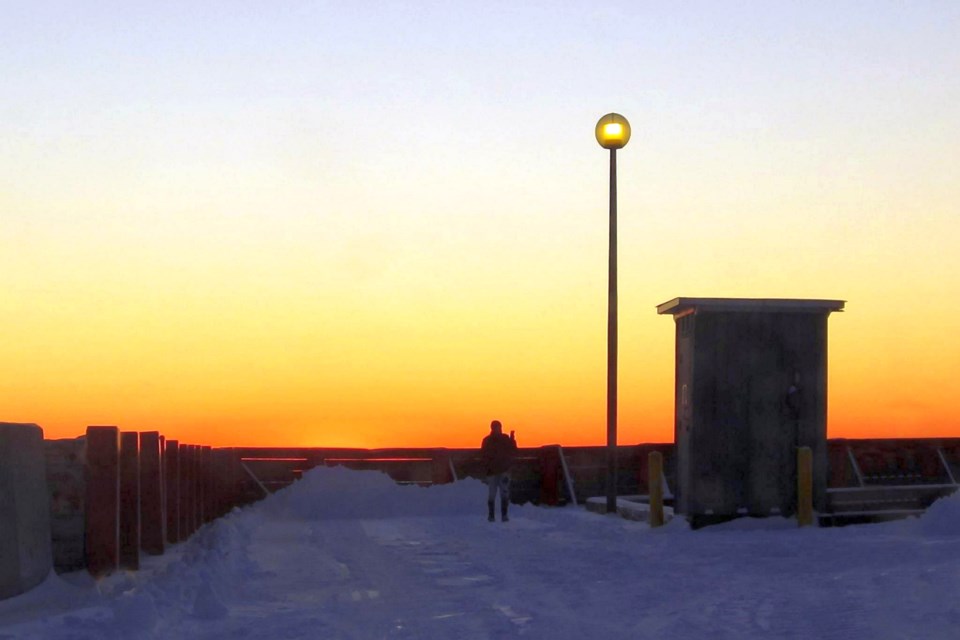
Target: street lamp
[(613, 132)]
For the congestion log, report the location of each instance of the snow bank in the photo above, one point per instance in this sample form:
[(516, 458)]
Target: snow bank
[(337, 492), (942, 518)]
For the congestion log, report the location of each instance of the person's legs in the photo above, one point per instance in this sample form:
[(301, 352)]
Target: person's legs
[(504, 496), (493, 482)]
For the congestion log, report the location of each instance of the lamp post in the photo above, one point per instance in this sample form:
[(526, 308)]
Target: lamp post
[(613, 132)]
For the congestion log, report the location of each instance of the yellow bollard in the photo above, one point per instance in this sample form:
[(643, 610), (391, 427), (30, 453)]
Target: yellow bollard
[(804, 487), (654, 479)]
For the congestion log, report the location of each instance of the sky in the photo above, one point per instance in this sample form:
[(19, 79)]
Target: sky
[(381, 224)]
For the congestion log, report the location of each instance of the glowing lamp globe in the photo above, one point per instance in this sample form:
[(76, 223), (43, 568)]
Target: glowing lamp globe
[(613, 131)]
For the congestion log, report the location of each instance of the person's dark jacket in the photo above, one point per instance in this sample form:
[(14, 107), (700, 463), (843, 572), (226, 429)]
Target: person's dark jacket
[(497, 453)]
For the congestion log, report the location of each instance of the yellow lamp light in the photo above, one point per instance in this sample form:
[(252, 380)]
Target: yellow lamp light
[(613, 131)]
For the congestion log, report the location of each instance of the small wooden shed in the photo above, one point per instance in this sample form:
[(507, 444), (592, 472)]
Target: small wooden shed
[(751, 387)]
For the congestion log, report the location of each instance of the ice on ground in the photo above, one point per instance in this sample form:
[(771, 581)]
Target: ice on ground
[(350, 554)]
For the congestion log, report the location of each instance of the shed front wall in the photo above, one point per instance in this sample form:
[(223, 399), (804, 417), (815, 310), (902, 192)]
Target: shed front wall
[(756, 390)]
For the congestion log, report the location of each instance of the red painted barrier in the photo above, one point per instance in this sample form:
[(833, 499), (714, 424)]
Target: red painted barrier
[(151, 495), (102, 476), (129, 500)]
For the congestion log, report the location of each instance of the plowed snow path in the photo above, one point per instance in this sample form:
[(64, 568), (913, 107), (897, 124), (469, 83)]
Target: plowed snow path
[(285, 569)]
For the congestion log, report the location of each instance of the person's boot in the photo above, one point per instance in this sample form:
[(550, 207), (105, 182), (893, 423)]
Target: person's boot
[(490, 517), (503, 512)]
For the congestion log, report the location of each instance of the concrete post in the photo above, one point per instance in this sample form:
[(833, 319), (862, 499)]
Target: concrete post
[(655, 482), (838, 461), (163, 489), (206, 475), (195, 496), (222, 490), (172, 481), (550, 474), (185, 473), (102, 476), (66, 462), (235, 478), (196, 490), (151, 497), (130, 500), (804, 487), (440, 467), (25, 550)]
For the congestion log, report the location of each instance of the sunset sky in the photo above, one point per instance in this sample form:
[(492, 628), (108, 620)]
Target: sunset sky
[(374, 224)]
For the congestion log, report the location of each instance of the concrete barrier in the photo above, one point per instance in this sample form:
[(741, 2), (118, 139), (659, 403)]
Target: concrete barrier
[(655, 482), (25, 550), (186, 473), (151, 493), (102, 479), (550, 474), (67, 490), (171, 479), (129, 500)]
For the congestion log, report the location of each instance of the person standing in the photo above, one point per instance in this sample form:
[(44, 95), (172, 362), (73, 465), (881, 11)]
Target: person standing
[(497, 452)]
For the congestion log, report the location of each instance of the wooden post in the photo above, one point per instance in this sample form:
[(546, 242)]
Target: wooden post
[(102, 522), (655, 482), (172, 481), (804, 487), (151, 496), (130, 500)]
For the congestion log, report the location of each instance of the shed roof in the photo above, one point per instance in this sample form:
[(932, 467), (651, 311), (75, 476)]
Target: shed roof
[(762, 305)]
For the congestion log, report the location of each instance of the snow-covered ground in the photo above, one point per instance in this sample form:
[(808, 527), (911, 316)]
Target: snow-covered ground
[(349, 554)]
